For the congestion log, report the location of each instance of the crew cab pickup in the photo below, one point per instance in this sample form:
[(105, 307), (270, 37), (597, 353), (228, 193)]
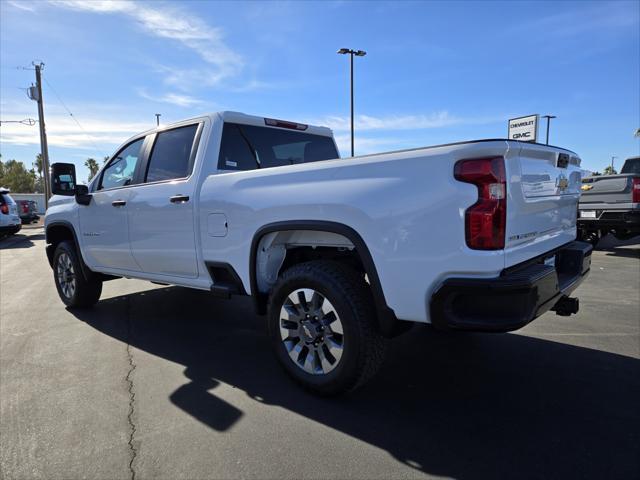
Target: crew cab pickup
[(341, 254), (611, 204)]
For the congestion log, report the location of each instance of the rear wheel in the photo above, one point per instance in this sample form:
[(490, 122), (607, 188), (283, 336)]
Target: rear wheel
[(73, 288), (322, 326)]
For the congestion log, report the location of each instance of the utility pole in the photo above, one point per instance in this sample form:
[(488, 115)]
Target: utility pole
[(357, 53), (548, 117), (612, 158), (158, 119), (35, 93)]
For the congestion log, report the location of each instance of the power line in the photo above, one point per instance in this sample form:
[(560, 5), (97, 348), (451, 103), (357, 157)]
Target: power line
[(71, 114)]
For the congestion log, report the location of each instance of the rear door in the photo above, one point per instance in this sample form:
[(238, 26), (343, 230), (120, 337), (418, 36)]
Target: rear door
[(543, 193), (161, 208)]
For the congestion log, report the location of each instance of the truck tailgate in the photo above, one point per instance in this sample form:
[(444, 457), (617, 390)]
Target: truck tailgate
[(543, 192), (608, 189)]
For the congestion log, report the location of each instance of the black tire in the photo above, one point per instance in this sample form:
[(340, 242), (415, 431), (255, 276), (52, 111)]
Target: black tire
[(85, 293), (362, 348)]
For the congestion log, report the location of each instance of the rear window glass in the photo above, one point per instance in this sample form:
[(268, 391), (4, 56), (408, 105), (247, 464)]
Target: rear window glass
[(632, 165), (246, 147), (171, 154)]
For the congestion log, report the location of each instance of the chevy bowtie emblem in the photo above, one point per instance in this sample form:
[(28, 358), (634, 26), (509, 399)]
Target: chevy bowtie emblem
[(562, 183), (586, 188)]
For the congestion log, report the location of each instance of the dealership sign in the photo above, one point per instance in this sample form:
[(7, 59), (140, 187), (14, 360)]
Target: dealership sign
[(524, 128)]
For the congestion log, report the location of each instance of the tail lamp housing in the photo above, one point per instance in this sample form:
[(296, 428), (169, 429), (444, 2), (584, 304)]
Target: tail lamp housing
[(635, 190), (4, 208), (485, 220)]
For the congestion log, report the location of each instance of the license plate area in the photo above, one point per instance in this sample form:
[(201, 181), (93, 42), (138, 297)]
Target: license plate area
[(587, 214)]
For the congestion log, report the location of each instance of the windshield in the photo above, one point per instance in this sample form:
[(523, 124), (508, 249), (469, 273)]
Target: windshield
[(247, 147), (631, 165)]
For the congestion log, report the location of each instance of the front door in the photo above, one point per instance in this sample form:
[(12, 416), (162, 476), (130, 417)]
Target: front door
[(104, 227)]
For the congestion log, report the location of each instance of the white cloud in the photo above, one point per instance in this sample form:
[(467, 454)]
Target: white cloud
[(600, 18), (62, 131), (400, 122), (364, 145), (174, 24), (22, 5), (172, 98)]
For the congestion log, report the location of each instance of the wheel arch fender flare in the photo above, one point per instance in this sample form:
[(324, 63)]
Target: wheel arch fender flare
[(86, 272), (387, 320)]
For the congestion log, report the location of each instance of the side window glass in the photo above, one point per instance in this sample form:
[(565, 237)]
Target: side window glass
[(171, 154), (235, 153), (122, 166)]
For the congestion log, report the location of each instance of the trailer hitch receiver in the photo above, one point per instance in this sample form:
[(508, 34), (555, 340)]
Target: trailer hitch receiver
[(566, 306)]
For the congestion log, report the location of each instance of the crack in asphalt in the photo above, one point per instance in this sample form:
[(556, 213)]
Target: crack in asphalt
[(132, 426)]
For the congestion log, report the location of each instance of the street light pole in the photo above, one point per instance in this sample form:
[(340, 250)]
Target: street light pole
[(548, 117), (357, 53), (158, 115), (352, 120), (612, 158)]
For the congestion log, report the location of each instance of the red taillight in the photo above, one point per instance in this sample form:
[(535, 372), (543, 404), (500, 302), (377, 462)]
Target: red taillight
[(4, 209), (485, 220), (635, 190), (25, 208)]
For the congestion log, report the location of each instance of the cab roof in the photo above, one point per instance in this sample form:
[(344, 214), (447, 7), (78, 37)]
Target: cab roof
[(244, 119)]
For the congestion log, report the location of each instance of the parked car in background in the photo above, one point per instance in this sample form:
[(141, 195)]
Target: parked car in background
[(9, 219), (28, 211), (611, 204)]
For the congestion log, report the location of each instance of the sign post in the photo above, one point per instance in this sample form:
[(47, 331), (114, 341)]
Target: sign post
[(524, 129)]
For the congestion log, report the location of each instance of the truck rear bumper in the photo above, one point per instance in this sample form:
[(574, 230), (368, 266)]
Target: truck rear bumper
[(515, 298), (629, 219)]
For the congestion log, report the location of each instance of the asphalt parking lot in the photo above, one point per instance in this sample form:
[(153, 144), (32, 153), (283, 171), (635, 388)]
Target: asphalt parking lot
[(164, 382)]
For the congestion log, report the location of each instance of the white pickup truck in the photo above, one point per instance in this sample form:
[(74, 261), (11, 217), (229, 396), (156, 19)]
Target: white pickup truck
[(341, 253)]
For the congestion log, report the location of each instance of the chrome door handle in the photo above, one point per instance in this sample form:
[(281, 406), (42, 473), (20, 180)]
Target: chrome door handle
[(119, 203), (179, 199)]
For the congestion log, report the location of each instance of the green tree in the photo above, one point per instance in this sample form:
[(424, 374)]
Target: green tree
[(39, 183), (609, 170), (15, 177), (93, 167)]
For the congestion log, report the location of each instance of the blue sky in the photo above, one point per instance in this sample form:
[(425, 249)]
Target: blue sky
[(434, 73)]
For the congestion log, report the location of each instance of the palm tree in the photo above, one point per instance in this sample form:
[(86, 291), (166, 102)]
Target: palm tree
[(93, 167)]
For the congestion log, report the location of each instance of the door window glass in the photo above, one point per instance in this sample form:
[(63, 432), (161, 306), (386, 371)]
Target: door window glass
[(122, 166)]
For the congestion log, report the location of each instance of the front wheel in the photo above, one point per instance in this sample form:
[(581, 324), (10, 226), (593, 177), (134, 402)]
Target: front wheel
[(323, 327), (73, 288)]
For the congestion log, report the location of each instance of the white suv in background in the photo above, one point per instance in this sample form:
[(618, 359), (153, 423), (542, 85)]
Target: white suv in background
[(9, 219)]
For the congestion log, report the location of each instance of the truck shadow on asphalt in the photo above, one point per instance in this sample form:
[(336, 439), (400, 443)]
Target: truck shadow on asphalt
[(458, 405), (619, 248)]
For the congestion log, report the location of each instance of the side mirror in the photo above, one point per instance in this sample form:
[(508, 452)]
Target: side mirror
[(83, 197), (63, 179)]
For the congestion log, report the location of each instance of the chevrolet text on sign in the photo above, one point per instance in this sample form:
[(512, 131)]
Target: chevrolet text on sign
[(524, 128)]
